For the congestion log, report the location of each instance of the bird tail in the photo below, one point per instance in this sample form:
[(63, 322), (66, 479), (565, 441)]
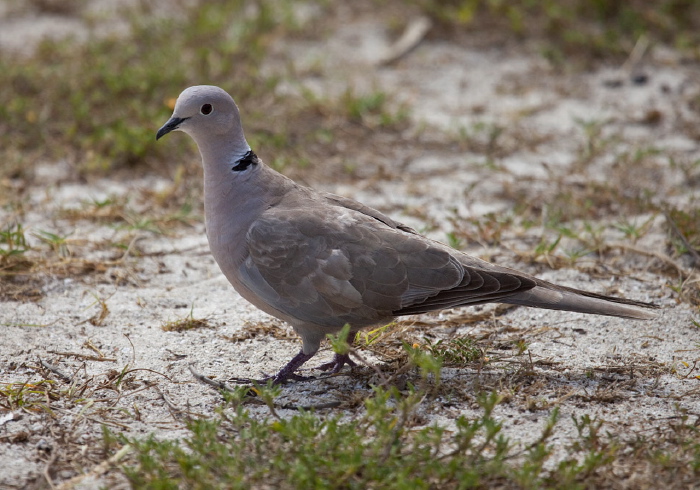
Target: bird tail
[(561, 298)]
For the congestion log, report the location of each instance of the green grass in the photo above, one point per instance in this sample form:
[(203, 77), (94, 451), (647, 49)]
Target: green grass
[(58, 243), (687, 227), (372, 109), (13, 242), (582, 29), (188, 322), (387, 446), (98, 103), (384, 446), (28, 396), (458, 351)]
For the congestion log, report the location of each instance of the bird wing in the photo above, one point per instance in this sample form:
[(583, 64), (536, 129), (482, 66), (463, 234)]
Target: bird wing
[(330, 265)]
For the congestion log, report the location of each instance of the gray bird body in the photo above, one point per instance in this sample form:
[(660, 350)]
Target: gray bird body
[(319, 261)]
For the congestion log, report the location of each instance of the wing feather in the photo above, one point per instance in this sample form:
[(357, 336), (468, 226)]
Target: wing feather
[(344, 266)]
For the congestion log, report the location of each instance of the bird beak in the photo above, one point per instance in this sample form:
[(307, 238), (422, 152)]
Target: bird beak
[(172, 124)]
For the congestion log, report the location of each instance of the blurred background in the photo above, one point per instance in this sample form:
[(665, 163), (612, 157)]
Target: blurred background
[(502, 102), (88, 81)]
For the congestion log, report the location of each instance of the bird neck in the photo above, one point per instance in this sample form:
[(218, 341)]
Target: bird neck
[(233, 199), (219, 155)]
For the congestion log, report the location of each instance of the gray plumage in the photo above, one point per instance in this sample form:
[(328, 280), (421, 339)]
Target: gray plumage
[(319, 261)]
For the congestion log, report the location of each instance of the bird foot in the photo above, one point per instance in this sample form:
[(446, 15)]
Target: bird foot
[(339, 360), (285, 374), (277, 379)]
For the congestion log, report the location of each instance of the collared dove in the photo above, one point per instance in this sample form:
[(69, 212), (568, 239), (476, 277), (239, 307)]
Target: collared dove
[(319, 261)]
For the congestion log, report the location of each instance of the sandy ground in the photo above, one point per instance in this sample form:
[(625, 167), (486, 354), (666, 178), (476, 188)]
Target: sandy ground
[(634, 375)]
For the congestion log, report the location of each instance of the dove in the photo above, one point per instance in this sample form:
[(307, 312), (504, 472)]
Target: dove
[(319, 261)]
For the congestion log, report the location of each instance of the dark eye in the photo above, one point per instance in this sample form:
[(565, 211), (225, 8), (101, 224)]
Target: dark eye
[(206, 109)]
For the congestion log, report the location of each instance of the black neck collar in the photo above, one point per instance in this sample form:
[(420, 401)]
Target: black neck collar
[(248, 159)]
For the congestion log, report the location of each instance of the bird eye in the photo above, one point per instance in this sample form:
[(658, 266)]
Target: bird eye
[(206, 109)]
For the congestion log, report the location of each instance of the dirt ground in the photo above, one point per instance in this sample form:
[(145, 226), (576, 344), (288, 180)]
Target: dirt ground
[(519, 130)]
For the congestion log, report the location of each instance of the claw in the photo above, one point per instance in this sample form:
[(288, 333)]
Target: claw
[(339, 360), (285, 374)]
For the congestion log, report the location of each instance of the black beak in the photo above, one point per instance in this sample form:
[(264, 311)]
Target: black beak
[(171, 125)]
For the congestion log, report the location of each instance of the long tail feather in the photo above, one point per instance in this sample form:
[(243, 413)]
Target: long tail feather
[(562, 298)]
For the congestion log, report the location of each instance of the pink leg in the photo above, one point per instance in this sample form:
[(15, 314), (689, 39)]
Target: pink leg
[(339, 360), (284, 374)]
